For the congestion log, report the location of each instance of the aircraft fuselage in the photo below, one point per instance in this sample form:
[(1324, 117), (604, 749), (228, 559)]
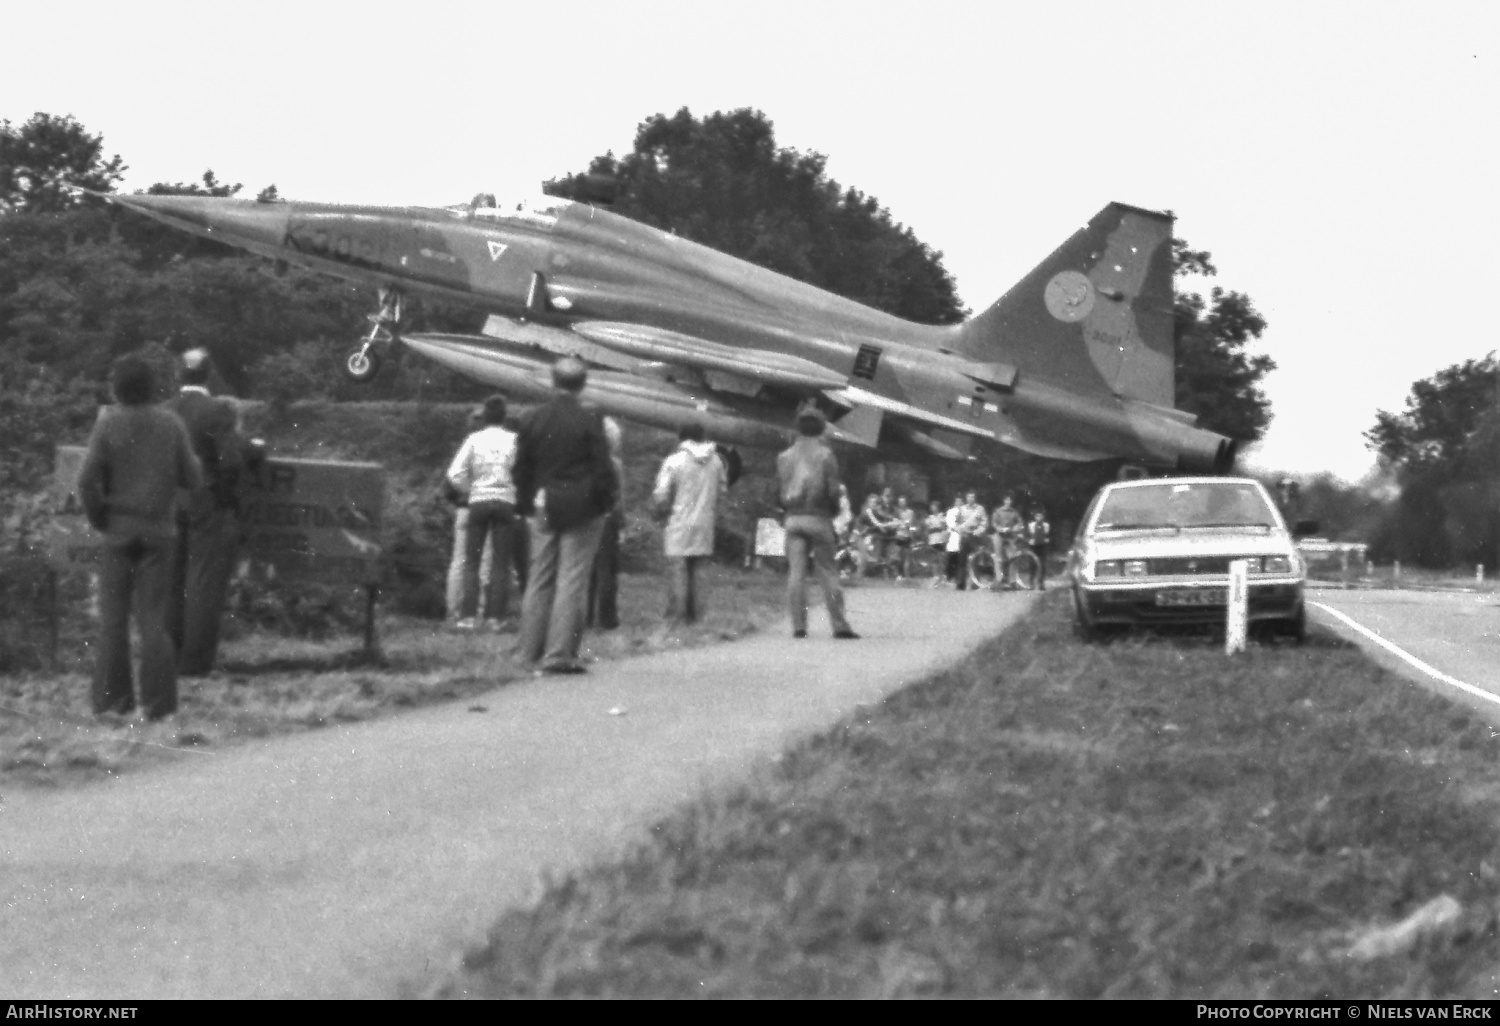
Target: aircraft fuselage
[(573, 267)]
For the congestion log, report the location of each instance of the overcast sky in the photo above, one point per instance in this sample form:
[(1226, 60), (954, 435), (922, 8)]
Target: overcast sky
[(1338, 160)]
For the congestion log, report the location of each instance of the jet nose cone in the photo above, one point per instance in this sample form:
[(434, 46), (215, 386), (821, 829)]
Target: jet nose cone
[(236, 222)]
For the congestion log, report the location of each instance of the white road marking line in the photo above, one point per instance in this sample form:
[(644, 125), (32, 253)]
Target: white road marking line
[(1400, 652)]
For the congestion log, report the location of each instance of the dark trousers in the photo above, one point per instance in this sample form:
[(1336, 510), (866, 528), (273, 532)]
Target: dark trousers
[(207, 550), (135, 576), (1041, 565), (557, 591), (497, 520), (520, 552), (959, 567), (604, 585), (682, 588), (812, 535)]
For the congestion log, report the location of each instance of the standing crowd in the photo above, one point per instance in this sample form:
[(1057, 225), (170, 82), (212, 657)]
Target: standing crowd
[(541, 501), (552, 489), (889, 531), (161, 483)]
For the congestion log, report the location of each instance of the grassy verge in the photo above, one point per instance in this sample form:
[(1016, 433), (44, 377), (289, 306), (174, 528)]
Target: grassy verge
[(1051, 819), (273, 685)]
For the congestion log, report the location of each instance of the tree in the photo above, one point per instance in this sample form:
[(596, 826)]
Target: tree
[(1440, 418), (46, 159), (721, 180), (1444, 449), (1216, 378), (209, 185)]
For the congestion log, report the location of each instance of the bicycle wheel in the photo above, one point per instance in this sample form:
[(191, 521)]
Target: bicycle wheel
[(1023, 569), (982, 569)]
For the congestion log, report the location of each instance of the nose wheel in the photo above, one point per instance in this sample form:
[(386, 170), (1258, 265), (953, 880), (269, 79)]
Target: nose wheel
[(362, 363)]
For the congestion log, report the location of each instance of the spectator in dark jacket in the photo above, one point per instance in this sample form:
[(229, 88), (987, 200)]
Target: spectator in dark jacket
[(138, 457), (604, 585), (809, 476), (209, 528), (565, 483)]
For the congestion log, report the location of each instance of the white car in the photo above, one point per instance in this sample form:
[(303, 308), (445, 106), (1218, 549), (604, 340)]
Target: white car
[(1158, 551)]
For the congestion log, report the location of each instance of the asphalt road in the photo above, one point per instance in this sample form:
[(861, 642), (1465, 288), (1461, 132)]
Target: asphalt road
[(1453, 634), (357, 862)]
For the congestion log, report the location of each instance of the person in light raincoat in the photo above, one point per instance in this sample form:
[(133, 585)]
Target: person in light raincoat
[(689, 490)]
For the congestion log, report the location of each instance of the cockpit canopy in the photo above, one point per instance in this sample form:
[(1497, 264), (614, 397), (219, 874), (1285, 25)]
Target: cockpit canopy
[(536, 209)]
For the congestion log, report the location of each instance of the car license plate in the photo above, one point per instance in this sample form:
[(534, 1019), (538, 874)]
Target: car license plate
[(1193, 597)]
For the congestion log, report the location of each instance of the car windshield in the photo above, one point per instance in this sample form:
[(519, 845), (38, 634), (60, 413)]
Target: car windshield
[(1184, 506)]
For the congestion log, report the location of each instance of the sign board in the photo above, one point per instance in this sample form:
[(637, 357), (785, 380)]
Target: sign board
[(314, 520), (317, 520), (770, 538)]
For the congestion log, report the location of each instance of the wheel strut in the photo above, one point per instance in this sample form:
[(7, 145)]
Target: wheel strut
[(362, 363)]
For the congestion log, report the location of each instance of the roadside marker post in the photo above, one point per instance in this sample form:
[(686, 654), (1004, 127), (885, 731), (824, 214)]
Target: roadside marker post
[(1239, 607), (1479, 574)]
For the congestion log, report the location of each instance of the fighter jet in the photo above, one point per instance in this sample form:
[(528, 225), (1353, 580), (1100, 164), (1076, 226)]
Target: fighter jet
[(1074, 362)]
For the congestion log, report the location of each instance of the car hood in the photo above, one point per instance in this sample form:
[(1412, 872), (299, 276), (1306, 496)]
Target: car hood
[(1189, 543)]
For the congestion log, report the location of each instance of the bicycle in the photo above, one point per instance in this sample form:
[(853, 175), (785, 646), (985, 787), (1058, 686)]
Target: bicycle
[(1019, 564), (855, 558), (1024, 566), (981, 568), (924, 561)]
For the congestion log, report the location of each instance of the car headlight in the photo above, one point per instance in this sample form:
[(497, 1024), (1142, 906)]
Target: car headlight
[(1107, 568), (1135, 568), (1276, 565)]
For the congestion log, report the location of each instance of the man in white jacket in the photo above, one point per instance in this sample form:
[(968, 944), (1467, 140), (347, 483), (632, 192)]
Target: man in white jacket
[(482, 469), (689, 489)]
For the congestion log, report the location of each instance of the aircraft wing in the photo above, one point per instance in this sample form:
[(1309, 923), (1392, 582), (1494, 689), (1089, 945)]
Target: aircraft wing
[(643, 350)]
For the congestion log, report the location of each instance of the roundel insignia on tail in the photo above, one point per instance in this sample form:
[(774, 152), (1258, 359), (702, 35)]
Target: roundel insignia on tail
[(1069, 296)]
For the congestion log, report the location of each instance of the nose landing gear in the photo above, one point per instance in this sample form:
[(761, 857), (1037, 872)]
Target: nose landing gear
[(362, 363)]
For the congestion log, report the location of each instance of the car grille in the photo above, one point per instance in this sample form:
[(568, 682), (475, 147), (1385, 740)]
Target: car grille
[(1187, 566)]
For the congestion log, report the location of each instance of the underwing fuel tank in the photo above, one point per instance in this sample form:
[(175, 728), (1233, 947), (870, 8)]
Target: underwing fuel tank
[(525, 373)]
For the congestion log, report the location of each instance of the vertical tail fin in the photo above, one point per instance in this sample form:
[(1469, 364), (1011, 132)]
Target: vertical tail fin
[(1095, 316)]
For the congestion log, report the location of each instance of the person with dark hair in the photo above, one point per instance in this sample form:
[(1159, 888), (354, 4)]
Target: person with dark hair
[(453, 586), (936, 527), (482, 471), (966, 522), (565, 482), (808, 475), (604, 582), (209, 531), (879, 524), (1039, 538), (689, 491), (1009, 527), (139, 455)]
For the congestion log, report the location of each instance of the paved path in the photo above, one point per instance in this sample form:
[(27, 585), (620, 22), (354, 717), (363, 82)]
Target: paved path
[(1456, 634), (357, 862)]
